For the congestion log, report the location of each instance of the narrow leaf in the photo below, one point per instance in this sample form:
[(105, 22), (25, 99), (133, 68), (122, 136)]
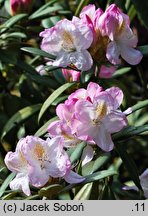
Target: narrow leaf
[(45, 12), (37, 52), (129, 132), (143, 49), (43, 129), (129, 164), (12, 21), (52, 97), (77, 152), (19, 117), (6, 183), (84, 192)]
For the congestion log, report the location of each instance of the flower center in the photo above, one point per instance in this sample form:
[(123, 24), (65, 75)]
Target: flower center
[(101, 111), (68, 42)]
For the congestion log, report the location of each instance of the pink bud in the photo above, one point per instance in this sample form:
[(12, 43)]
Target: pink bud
[(71, 75), (20, 6)]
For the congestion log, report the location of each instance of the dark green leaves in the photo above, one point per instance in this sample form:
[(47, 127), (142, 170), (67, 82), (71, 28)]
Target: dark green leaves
[(142, 9), (129, 164), (11, 22), (18, 118)]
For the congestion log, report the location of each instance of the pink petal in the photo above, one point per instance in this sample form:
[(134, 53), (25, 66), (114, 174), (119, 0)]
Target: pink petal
[(115, 121), (103, 139), (132, 56), (117, 95), (73, 178)]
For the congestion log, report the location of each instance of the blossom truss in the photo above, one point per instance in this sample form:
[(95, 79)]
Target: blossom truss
[(69, 43), (116, 25), (112, 38), (144, 183), (90, 115), (35, 161)]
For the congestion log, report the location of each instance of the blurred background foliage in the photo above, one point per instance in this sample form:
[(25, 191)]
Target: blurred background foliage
[(23, 92)]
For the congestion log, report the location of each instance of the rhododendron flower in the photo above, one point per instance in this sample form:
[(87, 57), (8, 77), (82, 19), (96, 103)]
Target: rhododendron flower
[(91, 115), (36, 160), (115, 24), (144, 183), (20, 6), (71, 75), (69, 43)]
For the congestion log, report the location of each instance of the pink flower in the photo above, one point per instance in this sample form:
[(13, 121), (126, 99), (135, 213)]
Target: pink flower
[(69, 43), (115, 24), (97, 118), (36, 160), (71, 75), (144, 183), (20, 6), (91, 115)]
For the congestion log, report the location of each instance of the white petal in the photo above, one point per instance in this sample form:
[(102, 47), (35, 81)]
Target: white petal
[(82, 60), (21, 181), (87, 155), (113, 53)]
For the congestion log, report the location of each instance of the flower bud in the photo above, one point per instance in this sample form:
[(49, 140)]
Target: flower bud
[(20, 6)]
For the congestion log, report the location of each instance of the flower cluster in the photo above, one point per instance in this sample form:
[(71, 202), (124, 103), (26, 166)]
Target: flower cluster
[(90, 115), (35, 161), (95, 38)]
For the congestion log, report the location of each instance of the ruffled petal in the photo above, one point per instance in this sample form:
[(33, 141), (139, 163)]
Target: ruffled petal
[(21, 182)]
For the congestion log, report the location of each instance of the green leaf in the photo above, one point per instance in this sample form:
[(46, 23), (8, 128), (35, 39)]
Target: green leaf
[(129, 132), (91, 178), (52, 97), (121, 71), (37, 52), (11, 22), (44, 6), (129, 164), (143, 49), (50, 190), (19, 117), (84, 193), (93, 166), (142, 9), (44, 80), (139, 105), (46, 12), (10, 196), (77, 152), (18, 35), (6, 183), (43, 129)]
